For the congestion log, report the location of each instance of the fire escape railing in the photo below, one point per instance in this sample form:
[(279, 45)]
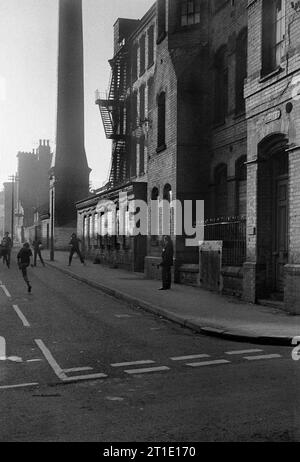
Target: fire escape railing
[(113, 114)]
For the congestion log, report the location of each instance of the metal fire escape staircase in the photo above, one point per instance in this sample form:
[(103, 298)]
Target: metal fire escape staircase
[(113, 114)]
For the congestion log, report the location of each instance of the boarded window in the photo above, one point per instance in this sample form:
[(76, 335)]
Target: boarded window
[(142, 156), (221, 193), (221, 85), (241, 71), (241, 185)]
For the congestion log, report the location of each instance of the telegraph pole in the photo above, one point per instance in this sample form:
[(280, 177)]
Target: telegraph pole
[(52, 216), (12, 178)]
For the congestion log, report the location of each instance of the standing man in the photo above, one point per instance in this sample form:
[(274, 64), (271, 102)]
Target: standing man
[(6, 248), (37, 245), (167, 263), (74, 244), (24, 261)]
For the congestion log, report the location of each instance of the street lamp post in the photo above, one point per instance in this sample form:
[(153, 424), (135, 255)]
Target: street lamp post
[(52, 218)]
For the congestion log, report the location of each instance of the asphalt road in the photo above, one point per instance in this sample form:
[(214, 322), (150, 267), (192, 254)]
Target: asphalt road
[(78, 365)]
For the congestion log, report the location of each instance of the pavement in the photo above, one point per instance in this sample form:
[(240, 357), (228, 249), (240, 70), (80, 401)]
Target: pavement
[(200, 310)]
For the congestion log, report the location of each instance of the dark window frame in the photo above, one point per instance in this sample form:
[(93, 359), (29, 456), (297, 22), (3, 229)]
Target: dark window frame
[(190, 13), (150, 36), (241, 70), (220, 86), (142, 47), (161, 122), (273, 34)]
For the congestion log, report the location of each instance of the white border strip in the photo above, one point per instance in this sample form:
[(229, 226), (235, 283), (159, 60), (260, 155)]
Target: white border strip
[(53, 364), (133, 363), (242, 352), (209, 363), (183, 358), (78, 369), (5, 290), (21, 316), (256, 358), (20, 385), (147, 369)]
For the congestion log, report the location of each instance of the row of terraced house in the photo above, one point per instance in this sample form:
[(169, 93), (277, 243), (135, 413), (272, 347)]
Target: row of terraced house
[(204, 104)]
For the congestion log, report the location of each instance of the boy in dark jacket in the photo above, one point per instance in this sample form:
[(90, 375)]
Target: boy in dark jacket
[(24, 261), (74, 244)]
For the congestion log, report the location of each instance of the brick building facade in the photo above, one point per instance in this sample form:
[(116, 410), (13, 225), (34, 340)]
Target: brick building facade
[(218, 120), (33, 189)]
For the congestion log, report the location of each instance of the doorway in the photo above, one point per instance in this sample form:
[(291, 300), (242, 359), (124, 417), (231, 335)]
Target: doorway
[(272, 225)]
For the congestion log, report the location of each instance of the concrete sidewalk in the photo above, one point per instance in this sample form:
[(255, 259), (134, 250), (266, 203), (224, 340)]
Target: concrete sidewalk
[(200, 310)]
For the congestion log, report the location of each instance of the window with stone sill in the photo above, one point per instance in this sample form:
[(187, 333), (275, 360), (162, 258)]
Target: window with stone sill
[(190, 12), (273, 35)]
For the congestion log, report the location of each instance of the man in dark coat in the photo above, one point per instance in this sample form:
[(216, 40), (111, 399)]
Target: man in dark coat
[(24, 261), (166, 263), (74, 248), (37, 245)]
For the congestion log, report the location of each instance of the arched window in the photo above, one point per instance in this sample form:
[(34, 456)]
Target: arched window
[(161, 122), (167, 193), (221, 193), (241, 185), (240, 71), (273, 34), (221, 85)]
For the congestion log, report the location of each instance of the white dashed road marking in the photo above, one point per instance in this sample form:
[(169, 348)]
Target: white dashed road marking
[(147, 369), (78, 369), (5, 290), (132, 363), (20, 385), (242, 352), (51, 361), (21, 316), (208, 363), (184, 358), (123, 316), (59, 371), (256, 358)]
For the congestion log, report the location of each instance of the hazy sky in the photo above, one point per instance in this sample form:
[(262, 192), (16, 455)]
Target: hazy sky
[(28, 68)]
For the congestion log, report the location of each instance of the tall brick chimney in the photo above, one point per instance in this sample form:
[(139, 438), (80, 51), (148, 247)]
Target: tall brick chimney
[(70, 166)]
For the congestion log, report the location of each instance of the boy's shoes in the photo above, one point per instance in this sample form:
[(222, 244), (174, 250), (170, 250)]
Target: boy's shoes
[(162, 288), (29, 289)]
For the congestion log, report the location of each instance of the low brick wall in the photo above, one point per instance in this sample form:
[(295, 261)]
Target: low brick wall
[(151, 270), (189, 275)]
